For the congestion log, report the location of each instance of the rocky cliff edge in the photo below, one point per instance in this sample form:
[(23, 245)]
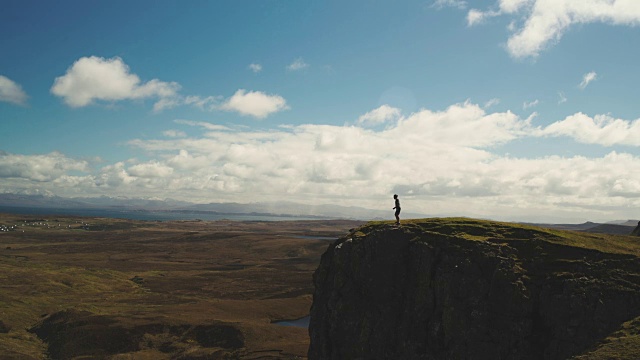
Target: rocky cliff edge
[(459, 288)]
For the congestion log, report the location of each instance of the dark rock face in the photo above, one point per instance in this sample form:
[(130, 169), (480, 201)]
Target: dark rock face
[(636, 231), (425, 292)]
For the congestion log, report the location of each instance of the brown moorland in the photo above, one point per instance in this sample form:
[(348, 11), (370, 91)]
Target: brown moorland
[(74, 287)]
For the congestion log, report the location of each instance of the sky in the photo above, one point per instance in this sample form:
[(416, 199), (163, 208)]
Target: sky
[(517, 110)]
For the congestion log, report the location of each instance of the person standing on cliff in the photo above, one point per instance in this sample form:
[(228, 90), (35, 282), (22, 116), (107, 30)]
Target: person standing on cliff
[(397, 208)]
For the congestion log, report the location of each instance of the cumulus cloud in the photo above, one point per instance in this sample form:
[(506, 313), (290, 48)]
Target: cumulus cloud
[(297, 64), (254, 103), (38, 167), (152, 169), (601, 129), (546, 21), (186, 161), (587, 78), (11, 92), (256, 68), (475, 17), (96, 78), (380, 115)]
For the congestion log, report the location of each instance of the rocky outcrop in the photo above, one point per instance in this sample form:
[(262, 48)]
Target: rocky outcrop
[(636, 231), (468, 289)]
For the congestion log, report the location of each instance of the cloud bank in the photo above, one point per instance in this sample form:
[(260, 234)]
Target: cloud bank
[(444, 162)]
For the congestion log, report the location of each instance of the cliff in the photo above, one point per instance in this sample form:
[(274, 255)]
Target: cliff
[(636, 231), (470, 289)]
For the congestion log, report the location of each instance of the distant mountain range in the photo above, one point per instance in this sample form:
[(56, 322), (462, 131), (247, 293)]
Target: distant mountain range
[(617, 227), (282, 208), (170, 205)]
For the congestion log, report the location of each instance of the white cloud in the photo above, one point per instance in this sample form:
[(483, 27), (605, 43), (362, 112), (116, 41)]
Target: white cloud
[(203, 124), (530, 104), (466, 125), (167, 103), (185, 161), (96, 78), (602, 130), (587, 78), (297, 64), (563, 98), (460, 4), (152, 169), (113, 176), (380, 115), (546, 21), (512, 6), (492, 102), (11, 92), (256, 68), (475, 17), (174, 133), (254, 103), (38, 167), (202, 103)]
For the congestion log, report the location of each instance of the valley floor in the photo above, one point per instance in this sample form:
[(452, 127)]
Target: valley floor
[(157, 290)]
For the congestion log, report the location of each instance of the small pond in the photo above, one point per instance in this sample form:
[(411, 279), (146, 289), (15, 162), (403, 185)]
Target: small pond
[(316, 237), (302, 322)]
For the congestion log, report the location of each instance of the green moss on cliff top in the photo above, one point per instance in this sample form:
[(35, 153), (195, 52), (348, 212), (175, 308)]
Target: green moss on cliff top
[(495, 231), (621, 345)]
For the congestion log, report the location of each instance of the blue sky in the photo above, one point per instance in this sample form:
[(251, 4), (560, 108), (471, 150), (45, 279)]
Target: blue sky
[(507, 109)]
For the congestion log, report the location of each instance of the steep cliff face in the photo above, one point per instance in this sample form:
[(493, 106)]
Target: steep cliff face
[(468, 289)]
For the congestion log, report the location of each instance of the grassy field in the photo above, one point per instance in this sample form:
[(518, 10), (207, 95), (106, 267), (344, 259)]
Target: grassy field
[(171, 287)]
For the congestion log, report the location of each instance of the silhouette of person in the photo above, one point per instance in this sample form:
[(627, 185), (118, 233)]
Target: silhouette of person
[(397, 207)]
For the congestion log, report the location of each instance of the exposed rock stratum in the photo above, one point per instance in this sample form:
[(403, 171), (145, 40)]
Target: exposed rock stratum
[(468, 289)]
